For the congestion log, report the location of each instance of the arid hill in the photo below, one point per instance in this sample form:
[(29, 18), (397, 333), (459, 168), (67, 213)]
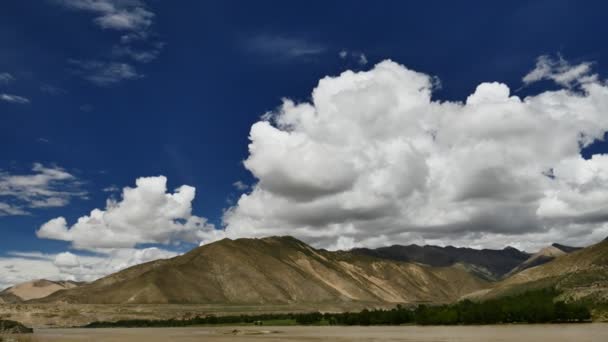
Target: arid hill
[(490, 264), (580, 275), (542, 257), (274, 270), (33, 290)]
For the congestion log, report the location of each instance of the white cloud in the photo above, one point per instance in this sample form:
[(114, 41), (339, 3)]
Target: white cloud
[(362, 59), (373, 159), (240, 185), (134, 20), (125, 15), (6, 78), (105, 73), (145, 214), (11, 210), (21, 267), (45, 187), (283, 48), (14, 99), (358, 57), (111, 188), (560, 71), (142, 56), (66, 259)]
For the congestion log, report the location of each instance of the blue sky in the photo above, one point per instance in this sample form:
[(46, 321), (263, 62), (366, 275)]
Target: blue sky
[(109, 91)]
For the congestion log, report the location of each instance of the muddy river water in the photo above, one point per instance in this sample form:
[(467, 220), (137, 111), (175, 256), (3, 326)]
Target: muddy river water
[(518, 333)]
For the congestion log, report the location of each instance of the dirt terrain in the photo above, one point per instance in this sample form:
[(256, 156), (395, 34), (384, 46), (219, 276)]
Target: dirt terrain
[(34, 289), (71, 315)]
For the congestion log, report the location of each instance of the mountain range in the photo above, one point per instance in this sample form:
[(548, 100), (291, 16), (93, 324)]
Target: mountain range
[(581, 275), (486, 263), (275, 270), (284, 270)]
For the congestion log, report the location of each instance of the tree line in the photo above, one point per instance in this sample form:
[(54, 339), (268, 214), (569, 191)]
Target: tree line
[(531, 307)]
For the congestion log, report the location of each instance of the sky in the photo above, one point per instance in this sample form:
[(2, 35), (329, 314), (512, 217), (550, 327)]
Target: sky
[(134, 130)]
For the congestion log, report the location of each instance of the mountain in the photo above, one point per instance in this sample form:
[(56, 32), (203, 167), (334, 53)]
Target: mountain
[(579, 275), (543, 256), (34, 290), (279, 270), (487, 263)]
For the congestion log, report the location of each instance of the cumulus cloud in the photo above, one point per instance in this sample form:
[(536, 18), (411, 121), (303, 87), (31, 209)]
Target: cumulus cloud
[(45, 187), (146, 213), (373, 159), (560, 71), (14, 99)]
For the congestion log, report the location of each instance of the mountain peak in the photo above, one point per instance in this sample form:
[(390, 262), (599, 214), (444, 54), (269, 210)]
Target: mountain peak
[(564, 248), (276, 269)]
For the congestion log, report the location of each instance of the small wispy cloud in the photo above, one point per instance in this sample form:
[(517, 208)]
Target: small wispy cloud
[(14, 99), (284, 48), (560, 71), (104, 73), (362, 59), (111, 188), (358, 57), (142, 56), (11, 210), (52, 90), (6, 78), (44, 187), (134, 20), (124, 15), (240, 185)]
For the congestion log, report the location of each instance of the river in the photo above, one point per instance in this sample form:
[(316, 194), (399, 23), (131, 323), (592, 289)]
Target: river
[(491, 333)]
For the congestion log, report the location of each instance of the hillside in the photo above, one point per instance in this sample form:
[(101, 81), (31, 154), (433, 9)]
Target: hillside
[(487, 263), (274, 270), (542, 257), (580, 275), (33, 290)]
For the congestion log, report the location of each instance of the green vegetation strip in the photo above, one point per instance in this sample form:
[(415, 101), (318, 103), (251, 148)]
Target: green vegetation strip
[(530, 307)]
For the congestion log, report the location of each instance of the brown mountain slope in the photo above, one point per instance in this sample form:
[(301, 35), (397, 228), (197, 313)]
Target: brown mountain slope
[(33, 290), (582, 274), (274, 270), (542, 257), (491, 264)]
